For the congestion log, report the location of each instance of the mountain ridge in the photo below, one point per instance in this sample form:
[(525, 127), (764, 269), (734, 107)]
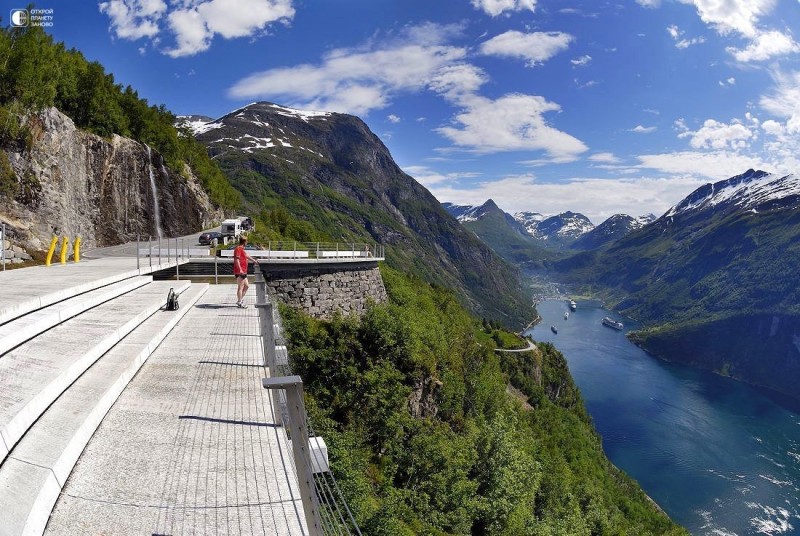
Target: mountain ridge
[(330, 170)]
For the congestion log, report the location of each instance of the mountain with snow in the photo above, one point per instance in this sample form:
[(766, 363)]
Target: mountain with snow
[(753, 190), (613, 228), (463, 213), (555, 232), (715, 280), (501, 232), (529, 220), (330, 171)]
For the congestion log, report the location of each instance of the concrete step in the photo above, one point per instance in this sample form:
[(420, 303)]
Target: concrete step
[(36, 470), (32, 324), (35, 373), (30, 289)]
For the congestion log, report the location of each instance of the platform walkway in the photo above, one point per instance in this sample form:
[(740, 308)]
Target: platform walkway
[(190, 447)]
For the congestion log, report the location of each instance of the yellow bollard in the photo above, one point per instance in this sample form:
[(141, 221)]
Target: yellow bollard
[(64, 246), (76, 250), (50, 251)]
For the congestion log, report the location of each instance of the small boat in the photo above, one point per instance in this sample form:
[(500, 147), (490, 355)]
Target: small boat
[(554, 329), (612, 323), (573, 305), (566, 316)]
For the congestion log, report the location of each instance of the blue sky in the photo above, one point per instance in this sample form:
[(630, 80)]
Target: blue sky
[(543, 105)]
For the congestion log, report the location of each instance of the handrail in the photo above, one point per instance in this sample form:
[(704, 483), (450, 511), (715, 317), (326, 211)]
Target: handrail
[(321, 499)]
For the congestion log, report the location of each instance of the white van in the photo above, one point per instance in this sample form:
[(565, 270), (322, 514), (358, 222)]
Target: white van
[(231, 228)]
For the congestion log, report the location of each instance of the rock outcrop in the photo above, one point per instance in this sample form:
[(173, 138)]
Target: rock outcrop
[(71, 182)]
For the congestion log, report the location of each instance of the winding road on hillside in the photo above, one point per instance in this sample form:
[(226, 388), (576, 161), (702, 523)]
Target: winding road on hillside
[(531, 346)]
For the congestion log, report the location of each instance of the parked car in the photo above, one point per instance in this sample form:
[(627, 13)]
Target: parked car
[(207, 238)]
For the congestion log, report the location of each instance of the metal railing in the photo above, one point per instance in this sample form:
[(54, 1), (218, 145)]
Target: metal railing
[(315, 250), (325, 508)]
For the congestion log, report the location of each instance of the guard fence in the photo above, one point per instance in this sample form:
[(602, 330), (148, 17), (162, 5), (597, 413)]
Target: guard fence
[(325, 508)]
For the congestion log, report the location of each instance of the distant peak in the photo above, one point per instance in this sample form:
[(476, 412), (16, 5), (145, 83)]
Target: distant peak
[(749, 190)]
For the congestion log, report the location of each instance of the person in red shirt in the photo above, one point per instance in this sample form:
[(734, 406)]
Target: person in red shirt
[(240, 258)]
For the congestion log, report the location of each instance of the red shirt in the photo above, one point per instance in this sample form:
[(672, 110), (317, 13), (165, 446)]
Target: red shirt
[(239, 261)]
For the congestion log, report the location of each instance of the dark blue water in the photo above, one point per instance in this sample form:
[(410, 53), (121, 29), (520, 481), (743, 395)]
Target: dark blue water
[(720, 457)]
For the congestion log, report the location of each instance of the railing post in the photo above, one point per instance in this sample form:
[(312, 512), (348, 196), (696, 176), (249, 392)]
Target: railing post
[(3, 246), (294, 251), (64, 246), (137, 252), (159, 251), (298, 430)]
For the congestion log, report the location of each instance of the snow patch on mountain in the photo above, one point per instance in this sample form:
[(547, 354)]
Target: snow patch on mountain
[(746, 192), (305, 115)]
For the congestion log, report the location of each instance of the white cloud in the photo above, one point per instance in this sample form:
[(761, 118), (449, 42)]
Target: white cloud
[(716, 165), (604, 158), (134, 19), (428, 177), (359, 80), (717, 135), (393, 118), (784, 101), (583, 60), (686, 43), (649, 3), (457, 80), (728, 16), (783, 144), (676, 34), (639, 129), (513, 122), (193, 24), (772, 127), (582, 85), (535, 48), (764, 46), (496, 7), (673, 31)]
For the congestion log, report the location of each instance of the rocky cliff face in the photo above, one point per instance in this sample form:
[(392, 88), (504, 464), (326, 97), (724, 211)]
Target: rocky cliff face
[(70, 182)]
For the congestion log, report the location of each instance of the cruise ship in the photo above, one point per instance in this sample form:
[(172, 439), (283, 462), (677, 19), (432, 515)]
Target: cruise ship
[(607, 321)]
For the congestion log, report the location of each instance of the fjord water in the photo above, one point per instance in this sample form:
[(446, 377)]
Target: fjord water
[(719, 456)]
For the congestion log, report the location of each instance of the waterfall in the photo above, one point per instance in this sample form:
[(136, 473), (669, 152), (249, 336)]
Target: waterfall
[(154, 189)]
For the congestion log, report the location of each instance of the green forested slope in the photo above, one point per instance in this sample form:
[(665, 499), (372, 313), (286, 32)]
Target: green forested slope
[(425, 439), (716, 288)]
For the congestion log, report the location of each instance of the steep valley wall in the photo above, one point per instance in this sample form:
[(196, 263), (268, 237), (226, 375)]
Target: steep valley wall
[(70, 182)]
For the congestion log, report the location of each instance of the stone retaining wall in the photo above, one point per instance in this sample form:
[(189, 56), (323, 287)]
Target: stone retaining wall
[(321, 291)]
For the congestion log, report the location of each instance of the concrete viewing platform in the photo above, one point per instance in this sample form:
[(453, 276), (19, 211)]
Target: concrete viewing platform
[(120, 417), (191, 446)]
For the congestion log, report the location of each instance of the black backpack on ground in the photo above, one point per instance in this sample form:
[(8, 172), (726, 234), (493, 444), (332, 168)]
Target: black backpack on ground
[(172, 300)]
